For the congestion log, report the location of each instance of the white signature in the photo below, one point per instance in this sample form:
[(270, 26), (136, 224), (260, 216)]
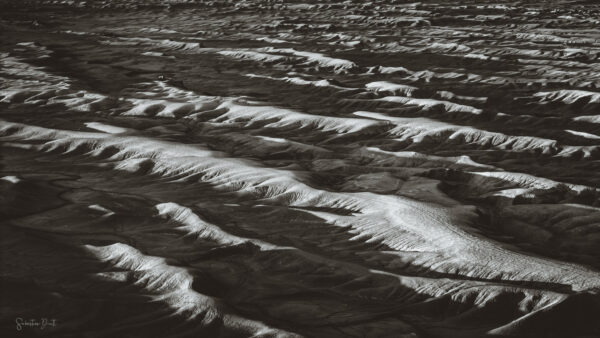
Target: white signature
[(41, 323)]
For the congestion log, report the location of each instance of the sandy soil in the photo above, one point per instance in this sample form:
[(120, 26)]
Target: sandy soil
[(287, 169)]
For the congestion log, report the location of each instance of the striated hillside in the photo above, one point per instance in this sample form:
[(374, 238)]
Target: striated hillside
[(300, 168)]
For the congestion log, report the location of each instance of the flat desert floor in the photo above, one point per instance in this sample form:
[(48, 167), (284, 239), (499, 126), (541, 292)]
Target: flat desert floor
[(300, 168)]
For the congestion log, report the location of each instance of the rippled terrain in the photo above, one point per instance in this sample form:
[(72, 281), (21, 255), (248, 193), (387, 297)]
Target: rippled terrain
[(287, 169)]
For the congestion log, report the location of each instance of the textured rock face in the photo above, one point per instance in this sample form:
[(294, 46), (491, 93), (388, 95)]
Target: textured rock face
[(307, 168)]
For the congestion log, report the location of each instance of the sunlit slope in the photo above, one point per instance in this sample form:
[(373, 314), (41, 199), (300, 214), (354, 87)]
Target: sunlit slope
[(317, 169)]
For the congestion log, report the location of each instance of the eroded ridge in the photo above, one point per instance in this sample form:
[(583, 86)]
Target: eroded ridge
[(300, 169)]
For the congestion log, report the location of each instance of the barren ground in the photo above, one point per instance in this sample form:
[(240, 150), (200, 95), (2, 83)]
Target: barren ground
[(318, 169)]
